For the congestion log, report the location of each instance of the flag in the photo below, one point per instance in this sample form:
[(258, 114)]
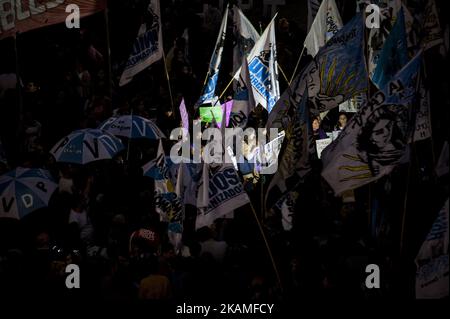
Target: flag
[(148, 46), (262, 66), (326, 23), (214, 64), (293, 164), (442, 164), (244, 101), (337, 73), (432, 260), (313, 7), (285, 208), (184, 115), (375, 140), (393, 55), (431, 28), (220, 193), (377, 36), (19, 16), (423, 121), (226, 113), (245, 37)]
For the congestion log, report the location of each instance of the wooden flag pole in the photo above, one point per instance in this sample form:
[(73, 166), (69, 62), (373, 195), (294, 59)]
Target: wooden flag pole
[(296, 65), (267, 246), (284, 74)]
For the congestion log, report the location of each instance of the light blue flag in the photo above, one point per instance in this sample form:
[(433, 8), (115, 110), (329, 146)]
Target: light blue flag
[(394, 54), (375, 140), (214, 64)]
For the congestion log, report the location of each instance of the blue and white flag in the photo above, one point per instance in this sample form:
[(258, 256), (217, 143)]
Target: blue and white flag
[(24, 190), (432, 260), (244, 101), (263, 69), (219, 193), (375, 140), (214, 64), (337, 73), (132, 126), (85, 146), (393, 55), (245, 37), (148, 46)]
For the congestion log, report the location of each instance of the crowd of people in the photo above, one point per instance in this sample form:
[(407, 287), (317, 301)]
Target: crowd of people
[(103, 217)]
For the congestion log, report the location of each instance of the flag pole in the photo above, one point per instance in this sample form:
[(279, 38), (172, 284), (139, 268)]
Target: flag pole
[(267, 246), (296, 66), (168, 82), (19, 98), (226, 88), (284, 74), (108, 49)]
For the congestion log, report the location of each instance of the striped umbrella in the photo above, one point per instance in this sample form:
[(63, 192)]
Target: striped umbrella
[(24, 190), (132, 126), (85, 146)]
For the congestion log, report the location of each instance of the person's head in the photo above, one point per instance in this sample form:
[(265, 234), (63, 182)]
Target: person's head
[(316, 123), (382, 132), (342, 120)]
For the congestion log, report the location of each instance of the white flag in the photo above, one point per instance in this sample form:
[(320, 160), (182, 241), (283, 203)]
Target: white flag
[(214, 64), (313, 7), (148, 46), (326, 23), (225, 193), (262, 65), (245, 37)]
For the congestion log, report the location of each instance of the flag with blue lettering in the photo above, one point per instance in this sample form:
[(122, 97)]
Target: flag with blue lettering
[(220, 192), (393, 55), (148, 46), (214, 64), (375, 140), (245, 37), (263, 69)]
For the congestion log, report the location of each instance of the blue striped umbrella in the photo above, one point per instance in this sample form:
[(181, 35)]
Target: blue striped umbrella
[(132, 126), (85, 146), (24, 190)]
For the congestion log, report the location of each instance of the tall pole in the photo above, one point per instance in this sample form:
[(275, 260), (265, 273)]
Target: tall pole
[(168, 82), (19, 98), (108, 49)]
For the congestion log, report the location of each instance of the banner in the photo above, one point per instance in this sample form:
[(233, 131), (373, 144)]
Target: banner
[(321, 144), (245, 37), (225, 193), (214, 64), (25, 15), (184, 115), (375, 139), (325, 25), (148, 46), (263, 69), (432, 260)]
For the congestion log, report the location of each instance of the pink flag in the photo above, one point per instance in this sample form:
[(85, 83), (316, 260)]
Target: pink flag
[(226, 108), (184, 115)]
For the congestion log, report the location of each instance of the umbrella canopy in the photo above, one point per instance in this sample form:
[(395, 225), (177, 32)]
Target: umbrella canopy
[(132, 126), (24, 190), (85, 146)]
